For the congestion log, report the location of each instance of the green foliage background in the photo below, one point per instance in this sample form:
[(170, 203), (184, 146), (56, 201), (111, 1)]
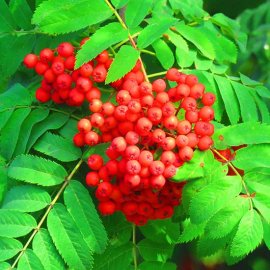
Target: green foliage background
[(45, 206)]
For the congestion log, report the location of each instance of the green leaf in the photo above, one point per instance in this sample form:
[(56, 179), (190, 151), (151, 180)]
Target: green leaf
[(243, 133), (15, 224), (191, 231), (9, 247), (119, 230), (153, 251), (33, 118), (99, 41), (266, 237), (69, 129), (192, 169), (247, 81), (16, 94), (263, 109), (202, 63), (136, 11), (262, 204), (58, 147), (99, 148), (75, 15), (4, 117), (7, 21), (195, 36), (154, 31), (225, 49), (178, 41), (13, 125), (157, 266), (26, 199), (161, 231), (124, 61), (185, 59), (44, 248), (30, 261), (190, 9), (224, 221), (4, 180), (26, 168), (207, 247), (229, 98), (206, 202), (114, 258), (231, 28), (263, 91), (22, 45), (22, 12), (202, 164), (245, 157), (248, 236), (248, 113), (68, 239), (119, 3), (82, 209), (5, 266), (163, 53), (54, 121)]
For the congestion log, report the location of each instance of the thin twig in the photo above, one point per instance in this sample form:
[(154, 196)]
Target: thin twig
[(134, 247)]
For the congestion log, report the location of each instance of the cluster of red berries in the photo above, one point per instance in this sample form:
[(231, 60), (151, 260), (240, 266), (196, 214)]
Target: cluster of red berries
[(61, 83), (152, 131)]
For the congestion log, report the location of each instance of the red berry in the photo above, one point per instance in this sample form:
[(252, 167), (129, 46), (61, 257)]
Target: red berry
[(30, 60), (208, 99), (65, 49), (107, 207), (78, 139), (84, 125), (46, 55), (173, 74), (186, 153), (43, 95), (92, 179), (95, 162)]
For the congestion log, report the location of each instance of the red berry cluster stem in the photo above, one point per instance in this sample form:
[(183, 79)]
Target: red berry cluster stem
[(60, 82)]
